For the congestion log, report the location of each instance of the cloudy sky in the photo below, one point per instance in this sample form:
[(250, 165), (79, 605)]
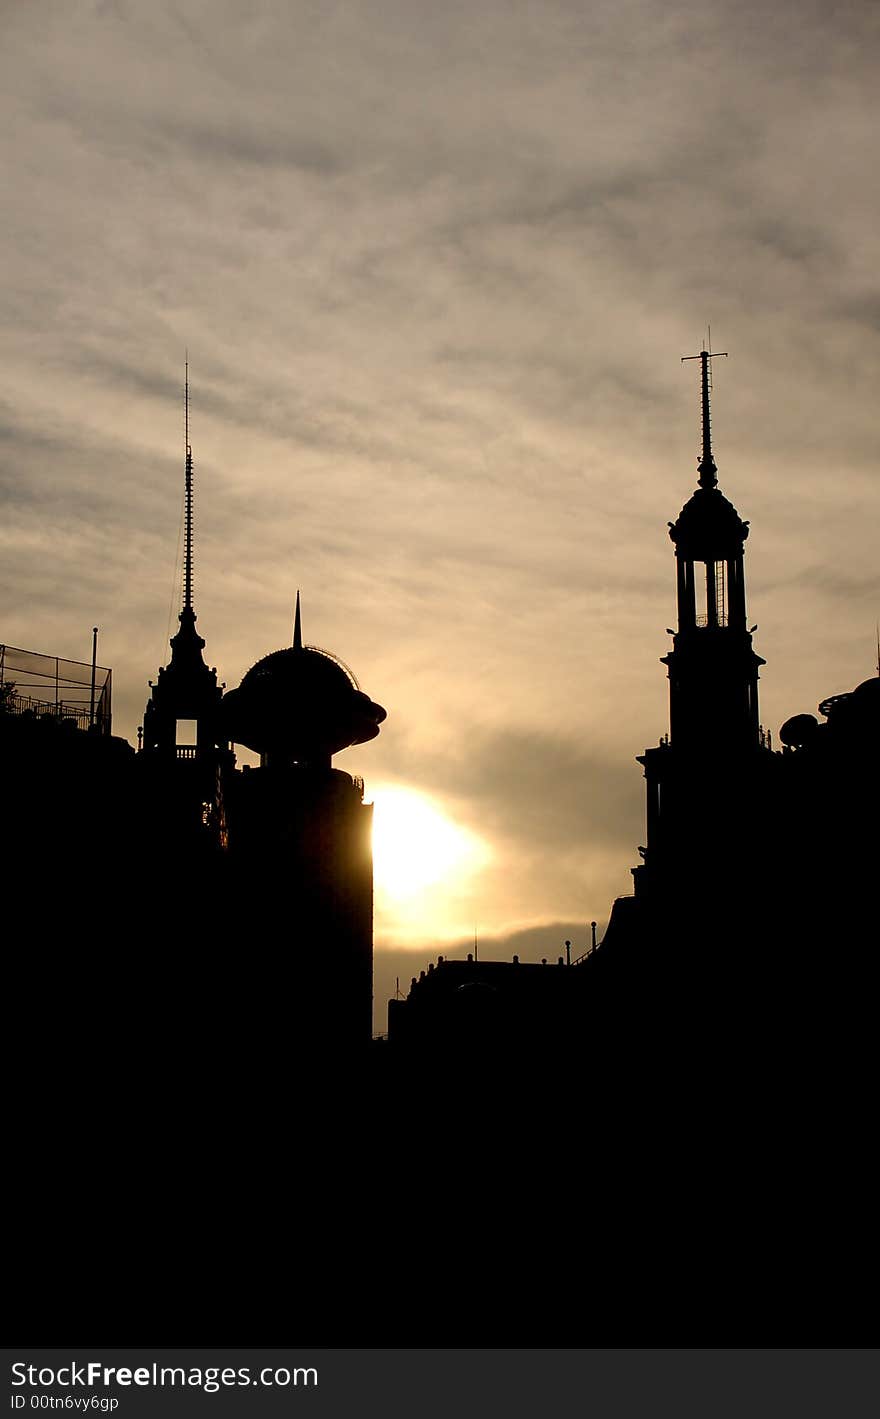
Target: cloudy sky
[(435, 266)]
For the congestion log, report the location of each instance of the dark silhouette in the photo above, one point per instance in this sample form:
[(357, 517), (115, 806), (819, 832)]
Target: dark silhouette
[(299, 821), (741, 874), (295, 821), (622, 1147), (706, 1073)]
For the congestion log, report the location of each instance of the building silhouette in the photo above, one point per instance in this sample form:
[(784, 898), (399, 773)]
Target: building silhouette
[(746, 876), (181, 720), (666, 1138), (185, 762), (745, 922), (711, 781), (745, 870), (66, 781), (299, 821), (672, 1136), (281, 853), (199, 862)]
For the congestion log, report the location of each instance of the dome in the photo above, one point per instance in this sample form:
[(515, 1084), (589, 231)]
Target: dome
[(799, 730), (867, 695), (855, 714), (709, 528), (301, 704)]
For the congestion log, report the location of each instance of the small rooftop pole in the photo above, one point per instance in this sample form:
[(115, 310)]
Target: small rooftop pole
[(94, 664)]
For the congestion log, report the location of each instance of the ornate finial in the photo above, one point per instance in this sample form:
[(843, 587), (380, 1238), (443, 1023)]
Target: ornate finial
[(706, 467), (297, 627), (188, 512)]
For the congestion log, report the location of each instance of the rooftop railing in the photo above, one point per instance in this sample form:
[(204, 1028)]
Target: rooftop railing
[(49, 687)]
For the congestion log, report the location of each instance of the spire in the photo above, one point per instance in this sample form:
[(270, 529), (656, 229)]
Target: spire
[(706, 467), (187, 645), (297, 627), (188, 511)]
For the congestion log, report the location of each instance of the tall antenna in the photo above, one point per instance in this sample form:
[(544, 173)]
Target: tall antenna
[(188, 509), (706, 467)]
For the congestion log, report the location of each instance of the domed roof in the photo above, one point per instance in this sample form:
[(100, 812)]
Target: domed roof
[(302, 703), (799, 730), (708, 528), (307, 668), (855, 714), (868, 693)]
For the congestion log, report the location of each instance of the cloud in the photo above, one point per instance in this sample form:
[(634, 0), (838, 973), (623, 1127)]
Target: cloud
[(535, 786), (435, 267)]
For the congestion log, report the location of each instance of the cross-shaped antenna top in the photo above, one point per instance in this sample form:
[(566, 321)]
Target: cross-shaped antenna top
[(707, 467)]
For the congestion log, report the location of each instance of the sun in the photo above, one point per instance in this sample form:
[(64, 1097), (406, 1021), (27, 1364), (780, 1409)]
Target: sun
[(415, 845)]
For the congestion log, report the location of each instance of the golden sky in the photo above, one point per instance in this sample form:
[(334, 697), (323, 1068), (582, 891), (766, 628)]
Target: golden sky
[(435, 267)]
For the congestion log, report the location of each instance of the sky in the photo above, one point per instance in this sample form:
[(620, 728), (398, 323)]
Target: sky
[(435, 268)]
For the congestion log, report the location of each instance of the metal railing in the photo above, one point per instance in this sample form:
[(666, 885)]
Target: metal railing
[(48, 687), (46, 709)]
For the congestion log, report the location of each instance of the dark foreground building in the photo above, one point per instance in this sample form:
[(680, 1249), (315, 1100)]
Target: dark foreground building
[(747, 922), (203, 911), (747, 944), (299, 822), (667, 1142), (676, 1139), (278, 858)]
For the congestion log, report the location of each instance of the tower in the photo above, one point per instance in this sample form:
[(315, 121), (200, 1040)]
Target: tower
[(300, 838), (707, 779), (713, 671), (180, 720), (184, 761)]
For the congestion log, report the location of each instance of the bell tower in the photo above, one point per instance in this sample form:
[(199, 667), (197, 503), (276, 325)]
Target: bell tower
[(713, 670), (704, 780)]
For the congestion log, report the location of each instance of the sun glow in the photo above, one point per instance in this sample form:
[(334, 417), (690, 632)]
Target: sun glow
[(415, 846)]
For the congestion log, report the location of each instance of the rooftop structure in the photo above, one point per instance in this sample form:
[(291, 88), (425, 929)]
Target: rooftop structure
[(43, 686), (181, 716), (300, 706)]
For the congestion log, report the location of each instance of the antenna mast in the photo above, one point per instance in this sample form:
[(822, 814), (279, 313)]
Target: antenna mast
[(707, 466), (188, 506)]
